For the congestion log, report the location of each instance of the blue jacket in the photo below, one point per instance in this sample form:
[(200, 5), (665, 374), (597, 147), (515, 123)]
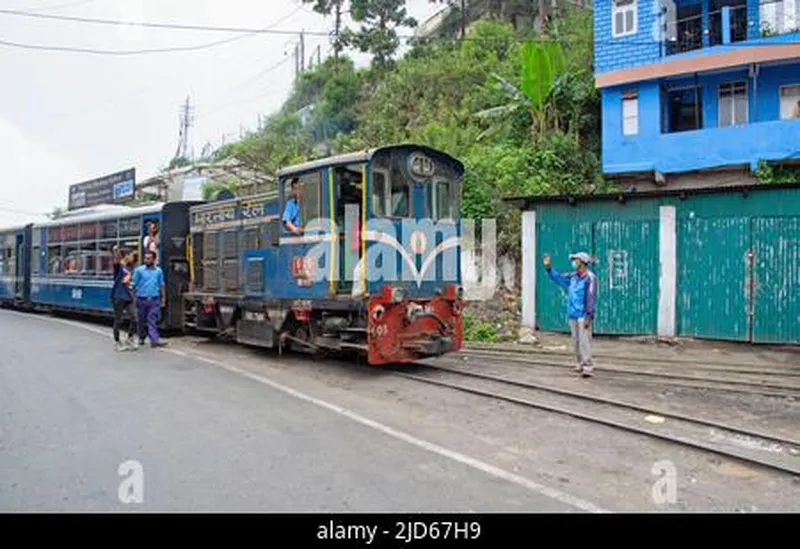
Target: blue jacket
[(581, 293), (120, 291)]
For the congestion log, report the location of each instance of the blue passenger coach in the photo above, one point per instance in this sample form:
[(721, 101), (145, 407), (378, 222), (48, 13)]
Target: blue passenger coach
[(15, 257), (71, 267)]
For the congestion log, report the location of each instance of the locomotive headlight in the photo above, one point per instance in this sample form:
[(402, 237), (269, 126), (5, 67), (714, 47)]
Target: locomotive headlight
[(398, 294), (413, 310)]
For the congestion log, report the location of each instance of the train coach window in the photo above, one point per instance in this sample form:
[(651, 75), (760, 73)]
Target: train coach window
[(54, 262), (105, 260)]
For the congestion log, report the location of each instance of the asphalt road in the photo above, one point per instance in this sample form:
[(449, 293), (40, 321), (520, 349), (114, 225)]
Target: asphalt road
[(73, 411)]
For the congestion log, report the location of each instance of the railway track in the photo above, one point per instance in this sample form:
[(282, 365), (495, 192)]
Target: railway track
[(763, 449), (792, 369), (735, 380)]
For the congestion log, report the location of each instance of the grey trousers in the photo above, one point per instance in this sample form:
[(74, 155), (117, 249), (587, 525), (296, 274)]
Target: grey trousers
[(583, 340)]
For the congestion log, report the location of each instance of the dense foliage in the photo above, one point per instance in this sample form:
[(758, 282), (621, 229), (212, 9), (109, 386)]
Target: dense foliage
[(521, 111)]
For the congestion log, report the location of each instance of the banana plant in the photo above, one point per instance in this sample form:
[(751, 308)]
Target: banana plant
[(542, 66)]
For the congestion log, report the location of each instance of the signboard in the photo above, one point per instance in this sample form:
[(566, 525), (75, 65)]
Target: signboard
[(110, 189)]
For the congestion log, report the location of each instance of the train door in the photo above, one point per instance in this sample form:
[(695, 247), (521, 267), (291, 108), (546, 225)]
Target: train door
[(349, 191), (19, 267)]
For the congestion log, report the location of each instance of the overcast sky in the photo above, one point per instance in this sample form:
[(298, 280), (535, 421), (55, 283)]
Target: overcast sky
[(66, 117)]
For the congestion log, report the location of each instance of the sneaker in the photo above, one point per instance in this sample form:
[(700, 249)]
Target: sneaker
[(119, 346), (155, 344), (132, 344)]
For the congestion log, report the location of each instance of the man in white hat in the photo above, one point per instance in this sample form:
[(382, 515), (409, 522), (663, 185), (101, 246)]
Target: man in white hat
[(581, 300)]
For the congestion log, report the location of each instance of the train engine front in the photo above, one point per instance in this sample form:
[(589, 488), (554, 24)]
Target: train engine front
[(412, 247)]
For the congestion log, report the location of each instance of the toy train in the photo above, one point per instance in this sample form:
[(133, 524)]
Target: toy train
[(375, 268)]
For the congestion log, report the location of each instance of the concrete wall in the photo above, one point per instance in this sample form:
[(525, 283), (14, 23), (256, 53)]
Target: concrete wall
[(646, 45), (627, 51), (764, 137)]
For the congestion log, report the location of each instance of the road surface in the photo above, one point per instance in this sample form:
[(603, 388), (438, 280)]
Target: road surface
[(81, 425)]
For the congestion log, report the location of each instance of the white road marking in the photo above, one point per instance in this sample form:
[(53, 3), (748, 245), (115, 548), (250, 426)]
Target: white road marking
[(484, 467)]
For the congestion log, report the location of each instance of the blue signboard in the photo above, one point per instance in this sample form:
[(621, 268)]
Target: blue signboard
[(104, 190)]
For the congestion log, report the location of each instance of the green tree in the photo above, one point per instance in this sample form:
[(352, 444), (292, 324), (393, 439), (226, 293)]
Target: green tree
[(542, 67), (377, 35)]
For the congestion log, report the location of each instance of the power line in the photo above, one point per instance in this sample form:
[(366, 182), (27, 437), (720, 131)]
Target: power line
[(211, 28), (72, 49), (173, 26), (137, 52)]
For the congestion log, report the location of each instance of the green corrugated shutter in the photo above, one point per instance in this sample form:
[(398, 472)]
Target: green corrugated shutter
[(627, 269), (713, 278), (777, 280)]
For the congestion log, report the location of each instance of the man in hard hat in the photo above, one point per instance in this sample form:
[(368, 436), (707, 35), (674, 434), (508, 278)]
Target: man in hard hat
[(581, 300)]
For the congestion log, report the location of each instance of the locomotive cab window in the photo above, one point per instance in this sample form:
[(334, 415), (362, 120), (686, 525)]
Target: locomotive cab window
[(310, 189), (348, 194), (442, 199), (390, 194)]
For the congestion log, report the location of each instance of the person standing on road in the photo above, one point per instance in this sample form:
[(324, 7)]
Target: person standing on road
[(581, 302), (151, 297), (122, 299)]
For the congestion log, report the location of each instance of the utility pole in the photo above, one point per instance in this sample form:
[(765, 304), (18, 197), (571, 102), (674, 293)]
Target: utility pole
[(302, 51), (463, 18), (186, 118), (336, 30)]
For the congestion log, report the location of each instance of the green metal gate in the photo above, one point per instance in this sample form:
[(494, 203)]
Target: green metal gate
[(776, 280), (627, 269), (738, 279), (713, 278)]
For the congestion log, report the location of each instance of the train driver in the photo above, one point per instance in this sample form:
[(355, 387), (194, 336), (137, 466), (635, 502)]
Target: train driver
[(291, 213)]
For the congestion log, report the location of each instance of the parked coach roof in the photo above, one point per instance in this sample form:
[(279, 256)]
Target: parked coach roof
[(358, 157), (100, 213)]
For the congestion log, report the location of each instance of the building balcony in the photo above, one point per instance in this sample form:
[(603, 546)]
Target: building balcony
[(705, 149), (691, 27)]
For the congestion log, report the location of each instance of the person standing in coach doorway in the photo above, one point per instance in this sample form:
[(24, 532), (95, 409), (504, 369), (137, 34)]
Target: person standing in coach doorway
[(151, 297), (581, 301)]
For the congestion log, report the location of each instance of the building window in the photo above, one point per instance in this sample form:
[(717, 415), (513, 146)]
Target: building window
[(733, 104), (790, 101), (630, 112), (623, 17), (779, 16), (684, 109)]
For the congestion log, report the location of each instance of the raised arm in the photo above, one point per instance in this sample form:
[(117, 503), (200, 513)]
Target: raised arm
[(557, 277)]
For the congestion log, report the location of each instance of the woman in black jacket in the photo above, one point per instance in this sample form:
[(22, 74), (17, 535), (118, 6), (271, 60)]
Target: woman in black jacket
[(122, 299)]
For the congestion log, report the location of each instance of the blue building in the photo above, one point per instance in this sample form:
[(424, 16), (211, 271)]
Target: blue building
[(697, 92)]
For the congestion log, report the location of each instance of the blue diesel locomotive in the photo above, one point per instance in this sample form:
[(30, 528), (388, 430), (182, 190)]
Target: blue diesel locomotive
[(374, 265), (375, 269)]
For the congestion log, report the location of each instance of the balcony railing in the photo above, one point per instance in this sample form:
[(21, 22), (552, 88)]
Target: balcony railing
[(729, 24)]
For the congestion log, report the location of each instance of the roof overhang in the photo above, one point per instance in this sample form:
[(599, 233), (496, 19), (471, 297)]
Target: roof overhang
[(704, 62)]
